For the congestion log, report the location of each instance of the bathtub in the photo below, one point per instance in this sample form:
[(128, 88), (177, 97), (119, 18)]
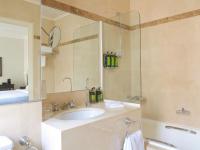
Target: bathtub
[(180, 137)]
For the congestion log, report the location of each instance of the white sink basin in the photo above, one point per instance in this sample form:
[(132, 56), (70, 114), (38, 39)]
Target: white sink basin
[(81, 114)]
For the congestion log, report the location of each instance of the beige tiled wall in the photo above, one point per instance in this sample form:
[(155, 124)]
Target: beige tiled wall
[(155, 9), (170, 62), (47, 72), (19, 120), (78, 97), (64, 59), (117, 80), (107, 8), (59, 65), (123, 82)]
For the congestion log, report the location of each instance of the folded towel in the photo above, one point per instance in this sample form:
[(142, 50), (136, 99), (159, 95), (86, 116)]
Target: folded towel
[(114, 104), (134, 141)]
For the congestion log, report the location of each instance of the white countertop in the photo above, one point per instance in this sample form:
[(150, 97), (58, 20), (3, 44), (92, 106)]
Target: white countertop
[(109, 112)]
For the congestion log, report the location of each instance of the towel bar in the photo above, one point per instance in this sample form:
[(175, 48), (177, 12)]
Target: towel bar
[(129, 121), (148, 140), (181, 129)]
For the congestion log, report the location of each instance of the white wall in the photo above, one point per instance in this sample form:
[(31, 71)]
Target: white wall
[(12, 53), (21, 119)]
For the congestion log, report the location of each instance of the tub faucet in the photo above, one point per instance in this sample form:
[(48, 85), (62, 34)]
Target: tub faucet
[(183, 111)]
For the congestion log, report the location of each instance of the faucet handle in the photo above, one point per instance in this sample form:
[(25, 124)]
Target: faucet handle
[(87, 103), (55, 107), (72, 104), (64, 106)]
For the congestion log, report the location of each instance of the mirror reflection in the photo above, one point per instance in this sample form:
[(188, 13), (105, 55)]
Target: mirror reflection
[(70, 54), (19, 52), (14, 63), (123, 81)]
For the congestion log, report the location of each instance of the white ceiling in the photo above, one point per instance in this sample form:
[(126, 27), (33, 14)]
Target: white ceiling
[(13, 31), (52, 14)]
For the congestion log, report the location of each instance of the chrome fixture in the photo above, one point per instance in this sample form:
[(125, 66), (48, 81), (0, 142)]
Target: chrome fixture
[(68, 105), (25, 141), (129, 121), (54, 107), (150, 140), (70, 80), (87, 103), (183, 111), (135, 98), (71, 104), (87, 83), (181, 129), (64, 106)]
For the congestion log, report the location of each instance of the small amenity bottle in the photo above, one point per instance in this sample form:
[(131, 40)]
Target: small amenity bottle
[(92, 95), (116, 60), (108, 58), (112, 56), (105, 60), (99, 95)]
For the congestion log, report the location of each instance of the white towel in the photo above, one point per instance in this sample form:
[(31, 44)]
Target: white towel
[(110, 104), (134, 141)]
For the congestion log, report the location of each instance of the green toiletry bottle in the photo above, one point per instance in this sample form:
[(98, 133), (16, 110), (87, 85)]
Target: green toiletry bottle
[(112, 59), (99, 95), (108, 58), (116, 60), (105, 60), (92, 95)]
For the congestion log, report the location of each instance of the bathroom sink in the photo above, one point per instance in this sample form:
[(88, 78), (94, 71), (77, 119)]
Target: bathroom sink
[(81, 114)]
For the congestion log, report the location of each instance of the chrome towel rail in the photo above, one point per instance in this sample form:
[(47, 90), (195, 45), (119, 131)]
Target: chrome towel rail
[(181, 129), (129, 121), (161, 142)]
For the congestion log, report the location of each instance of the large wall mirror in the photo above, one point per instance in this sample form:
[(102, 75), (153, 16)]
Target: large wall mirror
[(70, 52), (62, 51), (77, 61), (19, 51)]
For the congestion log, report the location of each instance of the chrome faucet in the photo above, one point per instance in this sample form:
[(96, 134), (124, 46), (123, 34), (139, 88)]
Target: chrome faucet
[(54, 107), (25, 141), (183, 111), (71, 104), (87, 83), (87, 103), (68, 105), (64, 106)]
